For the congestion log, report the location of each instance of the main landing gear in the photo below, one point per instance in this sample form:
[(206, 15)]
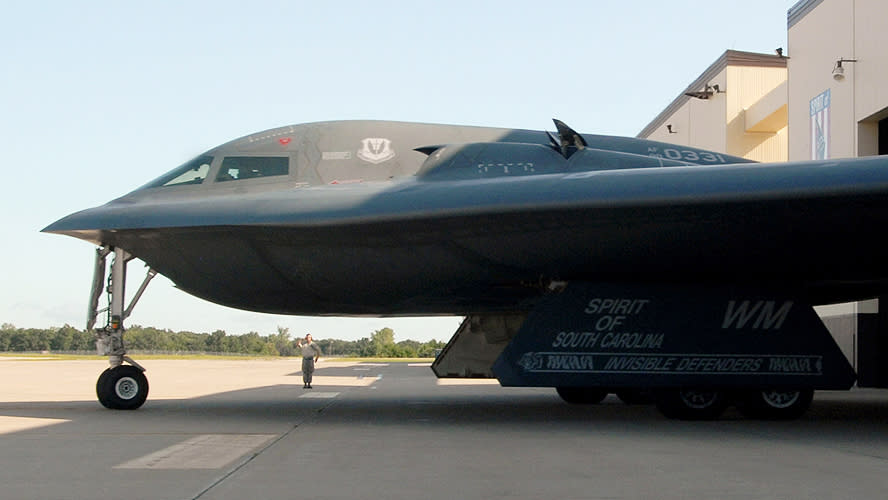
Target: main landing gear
[(774, 404), (582, 395), (595, 395), (704, 403), (709, 404), (122, 386), (691, 404)]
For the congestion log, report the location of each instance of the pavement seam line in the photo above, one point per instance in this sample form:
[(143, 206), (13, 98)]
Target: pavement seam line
[(243, 462), (253, 455)]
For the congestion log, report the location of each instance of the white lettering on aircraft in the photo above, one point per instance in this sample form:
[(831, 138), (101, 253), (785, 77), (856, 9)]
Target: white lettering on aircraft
[(632, 340), (616, 306), (686, 155), (670, 364), (506, 168), (570, 362), (612, 314), (795, 364), (336, 155), (639, 363), (574, 340), (718, 365), (760, 313)]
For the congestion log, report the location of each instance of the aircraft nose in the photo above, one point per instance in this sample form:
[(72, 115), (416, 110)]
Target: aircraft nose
[(85, 225)]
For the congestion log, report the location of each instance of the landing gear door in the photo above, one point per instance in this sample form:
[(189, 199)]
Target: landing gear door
[(594, 335)]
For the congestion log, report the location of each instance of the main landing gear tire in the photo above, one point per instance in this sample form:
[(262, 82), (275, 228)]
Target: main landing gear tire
[(635, 396), (774, 404), (122, 388), (691, 404), (582, 395)]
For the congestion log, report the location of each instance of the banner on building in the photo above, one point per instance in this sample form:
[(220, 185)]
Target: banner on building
[(819, 107)]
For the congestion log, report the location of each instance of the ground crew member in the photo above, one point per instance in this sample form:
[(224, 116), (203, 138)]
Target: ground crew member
[(310, 354)]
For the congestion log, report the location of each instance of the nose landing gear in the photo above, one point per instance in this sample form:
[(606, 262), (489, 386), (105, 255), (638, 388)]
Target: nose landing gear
[(122, 386)]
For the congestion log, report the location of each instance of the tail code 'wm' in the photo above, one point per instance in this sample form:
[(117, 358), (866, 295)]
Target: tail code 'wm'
[(762, 314)]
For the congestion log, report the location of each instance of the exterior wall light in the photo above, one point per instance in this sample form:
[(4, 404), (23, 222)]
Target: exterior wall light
[(838, 71)]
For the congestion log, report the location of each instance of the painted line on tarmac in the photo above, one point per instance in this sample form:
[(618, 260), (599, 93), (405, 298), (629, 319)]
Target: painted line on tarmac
[(332, 381), (467, 381), (207, 451), (26, 358), (319, 395)]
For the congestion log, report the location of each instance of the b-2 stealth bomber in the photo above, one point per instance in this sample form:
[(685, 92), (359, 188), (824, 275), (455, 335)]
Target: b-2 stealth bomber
[(588, 263)]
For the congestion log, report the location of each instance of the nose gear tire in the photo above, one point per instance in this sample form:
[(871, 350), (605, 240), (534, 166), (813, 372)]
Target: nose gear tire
[(124, 387)]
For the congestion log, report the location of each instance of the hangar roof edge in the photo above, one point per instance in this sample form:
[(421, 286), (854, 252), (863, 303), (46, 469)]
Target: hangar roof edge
[(729, 58), (800, 10)]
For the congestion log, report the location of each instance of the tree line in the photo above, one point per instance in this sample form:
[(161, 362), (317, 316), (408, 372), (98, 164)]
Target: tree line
[(380, 343)]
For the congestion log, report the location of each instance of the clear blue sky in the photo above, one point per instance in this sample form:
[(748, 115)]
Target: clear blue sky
[(97, 98)]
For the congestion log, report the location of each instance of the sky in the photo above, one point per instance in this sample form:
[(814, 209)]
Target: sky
[(99, 97)]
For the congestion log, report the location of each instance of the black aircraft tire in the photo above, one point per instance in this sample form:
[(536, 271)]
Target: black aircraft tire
[(635, 396), (582, 395), (691, 404), (774, 404), (122, 388), (101, 390)]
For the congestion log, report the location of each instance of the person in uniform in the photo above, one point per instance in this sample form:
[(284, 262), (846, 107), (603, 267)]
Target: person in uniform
[(310, 354)]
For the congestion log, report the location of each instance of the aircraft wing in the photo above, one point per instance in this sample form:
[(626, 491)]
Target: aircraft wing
[(775, 222)]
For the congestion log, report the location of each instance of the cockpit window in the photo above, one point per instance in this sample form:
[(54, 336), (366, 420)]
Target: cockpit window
[(236, 168), (192, 172)]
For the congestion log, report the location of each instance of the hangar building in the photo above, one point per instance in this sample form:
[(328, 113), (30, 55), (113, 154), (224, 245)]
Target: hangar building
[(824, 97)]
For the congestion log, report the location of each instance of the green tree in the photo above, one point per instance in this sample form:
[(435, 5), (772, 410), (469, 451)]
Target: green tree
[(382, 342), (64, 339), (282, 343), (251, 343), (83, 340), (20, 341), (6, 331), (385, 336), (149, 339), (408, 348), (428, 349), (216, 341), (269, 350), (41, 340), (67, 338)]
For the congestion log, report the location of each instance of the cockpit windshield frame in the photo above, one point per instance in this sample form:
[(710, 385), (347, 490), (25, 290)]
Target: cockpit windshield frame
[(192, 172)]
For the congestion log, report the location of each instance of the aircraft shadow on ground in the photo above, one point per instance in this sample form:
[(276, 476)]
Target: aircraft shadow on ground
[(834, 417)]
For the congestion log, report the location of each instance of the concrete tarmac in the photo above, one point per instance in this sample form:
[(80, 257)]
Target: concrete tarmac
[(220, 430)]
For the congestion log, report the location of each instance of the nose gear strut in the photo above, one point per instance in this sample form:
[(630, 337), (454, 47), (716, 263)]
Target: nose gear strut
[(121, 386)]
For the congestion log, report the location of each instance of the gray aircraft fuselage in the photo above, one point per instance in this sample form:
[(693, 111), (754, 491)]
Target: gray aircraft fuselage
[(391, 218)]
